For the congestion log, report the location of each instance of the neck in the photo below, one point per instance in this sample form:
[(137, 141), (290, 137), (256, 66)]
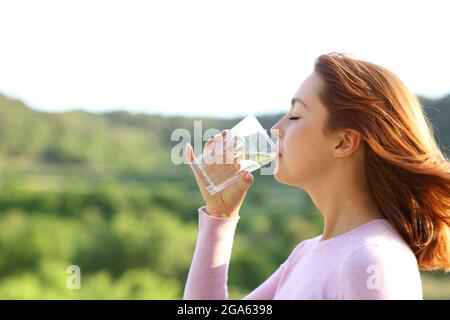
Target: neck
[(345, 204)]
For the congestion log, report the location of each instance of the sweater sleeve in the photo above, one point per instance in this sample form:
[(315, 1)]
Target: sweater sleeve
[(208, 274), (267, 290)]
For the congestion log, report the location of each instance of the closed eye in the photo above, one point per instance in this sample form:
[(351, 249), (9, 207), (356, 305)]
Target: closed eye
[(294, 118)]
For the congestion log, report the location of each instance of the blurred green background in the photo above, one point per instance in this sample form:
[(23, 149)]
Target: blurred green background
[(99, 190)]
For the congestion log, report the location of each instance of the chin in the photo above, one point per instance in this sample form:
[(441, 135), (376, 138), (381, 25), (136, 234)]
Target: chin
[(284, 178), (278, 175)]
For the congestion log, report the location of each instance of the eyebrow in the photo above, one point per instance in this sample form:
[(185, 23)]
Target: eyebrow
[(298, 100)]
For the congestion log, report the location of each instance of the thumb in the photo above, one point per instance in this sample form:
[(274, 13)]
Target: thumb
[(189, 153), (190, 157), (246, 180)]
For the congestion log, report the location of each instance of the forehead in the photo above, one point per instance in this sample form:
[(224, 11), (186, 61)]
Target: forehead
[(309, 93), (309, 89)]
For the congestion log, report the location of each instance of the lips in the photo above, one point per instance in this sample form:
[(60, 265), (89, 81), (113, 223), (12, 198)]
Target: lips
[(280, 151)]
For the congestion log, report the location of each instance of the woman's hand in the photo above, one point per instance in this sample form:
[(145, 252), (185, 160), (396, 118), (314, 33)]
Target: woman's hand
[(225, 203)]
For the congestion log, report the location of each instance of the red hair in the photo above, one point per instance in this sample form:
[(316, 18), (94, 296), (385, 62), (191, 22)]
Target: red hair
[(407, 173)]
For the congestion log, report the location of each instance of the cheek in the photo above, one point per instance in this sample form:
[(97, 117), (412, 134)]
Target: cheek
[(299, 140), (307, 150)]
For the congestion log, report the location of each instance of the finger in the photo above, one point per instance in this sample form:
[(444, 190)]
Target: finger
[(229, 147), (219, 137), (209, 145), (215, 149), (246, 180), (232, 155), (209, 141)]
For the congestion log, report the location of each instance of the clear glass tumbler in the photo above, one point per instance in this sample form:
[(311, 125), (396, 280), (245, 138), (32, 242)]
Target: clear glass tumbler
[(246, 146)]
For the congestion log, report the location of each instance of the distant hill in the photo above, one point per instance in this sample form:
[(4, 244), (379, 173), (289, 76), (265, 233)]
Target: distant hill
[(121, 139), (438, 112)]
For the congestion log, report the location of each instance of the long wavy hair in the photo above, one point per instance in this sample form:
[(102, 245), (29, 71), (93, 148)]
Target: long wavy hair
[(407, 173)]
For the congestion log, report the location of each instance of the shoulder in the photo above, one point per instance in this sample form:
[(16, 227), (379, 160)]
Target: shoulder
[(380, 245), (303, 247), (305, 244), (381, 269)]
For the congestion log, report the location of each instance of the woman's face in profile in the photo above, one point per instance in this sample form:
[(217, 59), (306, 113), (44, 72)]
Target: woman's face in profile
[(305, 152)]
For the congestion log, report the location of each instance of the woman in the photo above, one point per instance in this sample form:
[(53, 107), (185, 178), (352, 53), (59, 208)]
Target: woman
[(357, 141)]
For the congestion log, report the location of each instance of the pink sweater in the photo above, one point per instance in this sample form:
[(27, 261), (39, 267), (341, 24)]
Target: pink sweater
[(369, 262)]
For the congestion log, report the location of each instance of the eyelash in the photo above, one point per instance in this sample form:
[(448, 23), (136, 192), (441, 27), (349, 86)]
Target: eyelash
[(294, 118)]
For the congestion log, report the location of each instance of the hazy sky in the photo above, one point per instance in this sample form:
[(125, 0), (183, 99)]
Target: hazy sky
[(208, 57)]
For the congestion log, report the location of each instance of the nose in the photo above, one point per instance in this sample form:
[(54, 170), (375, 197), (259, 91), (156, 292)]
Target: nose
[(276, 130)]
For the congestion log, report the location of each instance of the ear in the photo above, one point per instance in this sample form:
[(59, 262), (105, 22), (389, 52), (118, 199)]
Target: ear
[(346, 143)]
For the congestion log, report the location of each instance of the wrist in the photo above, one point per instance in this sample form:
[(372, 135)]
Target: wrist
[(218, 213)]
